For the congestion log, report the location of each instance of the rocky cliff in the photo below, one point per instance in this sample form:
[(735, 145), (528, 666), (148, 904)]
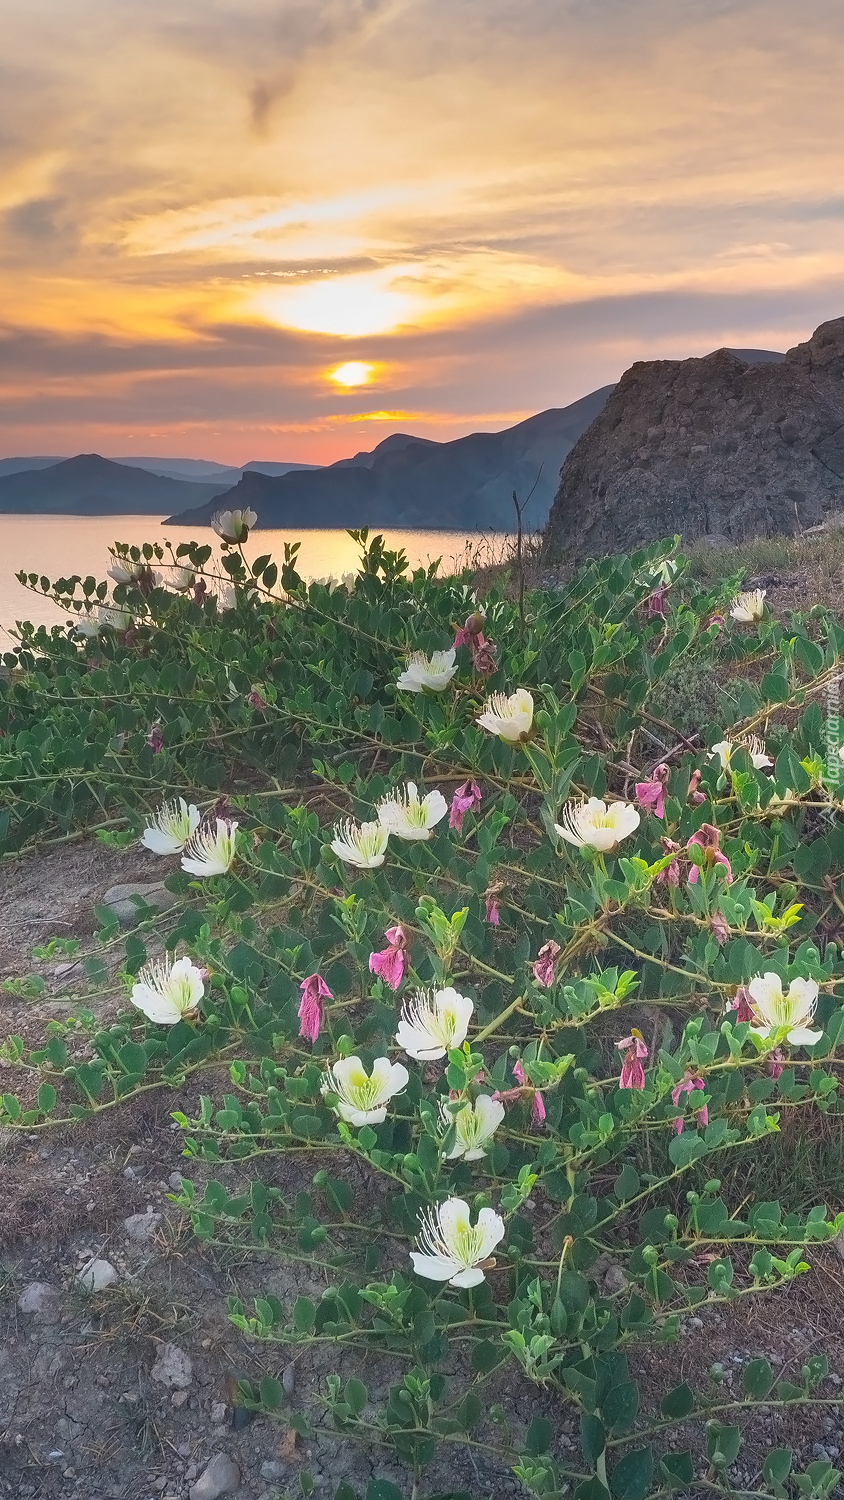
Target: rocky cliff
[(726, 446)]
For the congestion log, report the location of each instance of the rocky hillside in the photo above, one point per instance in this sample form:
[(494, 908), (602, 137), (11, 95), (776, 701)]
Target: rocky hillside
[(726, 447)]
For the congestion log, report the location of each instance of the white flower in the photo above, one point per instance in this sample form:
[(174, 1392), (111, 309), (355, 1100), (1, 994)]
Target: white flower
[(794, 1010), (362, 844), (749, 606), (510, 718), (432, 1023), (452, 1248), (123, 570), (234, 525), (112, 617), (408, 817), (179, 578), (167, 992), (349, 581), (211, 851), (474, 1124), (433, 672), (751, 743), (171, 827), (362, 1099), (597, 825), (87, 626)]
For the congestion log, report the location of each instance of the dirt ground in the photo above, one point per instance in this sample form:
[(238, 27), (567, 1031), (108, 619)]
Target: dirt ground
[(84, 1410)]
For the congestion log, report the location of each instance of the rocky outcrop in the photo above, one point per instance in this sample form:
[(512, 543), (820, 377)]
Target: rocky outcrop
[(719, 447)]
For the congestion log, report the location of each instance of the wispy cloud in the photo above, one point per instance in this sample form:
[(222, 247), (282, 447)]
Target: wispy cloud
[(500, 202)]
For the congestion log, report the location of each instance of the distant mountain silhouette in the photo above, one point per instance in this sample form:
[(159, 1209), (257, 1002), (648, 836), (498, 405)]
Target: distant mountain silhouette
[(89, 485), (18, 465), (465, 484)]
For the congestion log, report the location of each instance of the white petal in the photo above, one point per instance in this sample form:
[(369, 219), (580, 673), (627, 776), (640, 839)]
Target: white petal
[(434, 1267), (160, 842), (453, 1215), (157, 1008), (473, 1277), (493, 1227), (803, 1036)]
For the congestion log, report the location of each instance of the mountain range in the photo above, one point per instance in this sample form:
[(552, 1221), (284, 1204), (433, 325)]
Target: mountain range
[(465, 484), (405, 481)]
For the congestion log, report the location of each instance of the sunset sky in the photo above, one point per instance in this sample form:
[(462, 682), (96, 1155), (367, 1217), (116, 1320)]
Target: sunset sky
[(242, 229)]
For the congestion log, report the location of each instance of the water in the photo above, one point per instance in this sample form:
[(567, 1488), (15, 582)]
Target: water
[(59, 546)]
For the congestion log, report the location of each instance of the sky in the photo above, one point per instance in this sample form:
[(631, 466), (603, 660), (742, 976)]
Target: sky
[(280, 229)]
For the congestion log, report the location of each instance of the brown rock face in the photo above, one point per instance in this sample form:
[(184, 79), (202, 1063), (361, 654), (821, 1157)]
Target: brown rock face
[(708, 447)]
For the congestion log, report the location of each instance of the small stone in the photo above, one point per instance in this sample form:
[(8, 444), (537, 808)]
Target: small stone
[(42, 1300), (218, 1411), (141, 1227), (273, 1470), (127, 910), (288, 1379), (178, 1398), (173, 1367), (175, 1181), (97, 1275), (221, 1477)]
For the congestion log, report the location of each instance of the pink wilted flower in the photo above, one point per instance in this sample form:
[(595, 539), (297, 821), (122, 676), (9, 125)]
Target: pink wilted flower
[(671, 874), (538, 1106), (717, 619), (155, 739), (720, 929), (774, 1062), (492, 913), (200, 589), (634, 1049), (392, 963), (465, 798), (742, 1007), (686, 1086), (692, 794), (650, 795), (708, 838), (656, 603), (543, 968), (470, 630), (483, 655), (256, 700), (314, 991)]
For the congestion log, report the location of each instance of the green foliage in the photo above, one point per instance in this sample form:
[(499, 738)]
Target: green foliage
[(282, 697)]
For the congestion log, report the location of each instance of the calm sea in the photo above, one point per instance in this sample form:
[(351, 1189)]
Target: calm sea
[(59, 546)]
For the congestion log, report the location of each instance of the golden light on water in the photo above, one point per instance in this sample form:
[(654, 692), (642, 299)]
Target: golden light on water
[(354, 372)]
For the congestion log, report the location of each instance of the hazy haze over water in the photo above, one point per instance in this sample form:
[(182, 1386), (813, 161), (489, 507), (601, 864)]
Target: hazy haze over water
[(59, 546)]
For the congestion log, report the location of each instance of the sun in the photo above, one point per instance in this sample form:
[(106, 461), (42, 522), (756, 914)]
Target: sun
[(354, 372)]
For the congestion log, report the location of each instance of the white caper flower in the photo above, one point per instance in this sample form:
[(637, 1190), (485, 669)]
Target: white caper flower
[(112, 617), (474, 1126), (751, 743), (170, 828), (234, 525), (211, 850), (594, 824), (453, 1249), (124, 570), (433, 1022), (180, 578), (511, 719), (749, 606), (168, 992), (360, 844), (362, 1098), (433, 672), (408, 816), (773, 1009)]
